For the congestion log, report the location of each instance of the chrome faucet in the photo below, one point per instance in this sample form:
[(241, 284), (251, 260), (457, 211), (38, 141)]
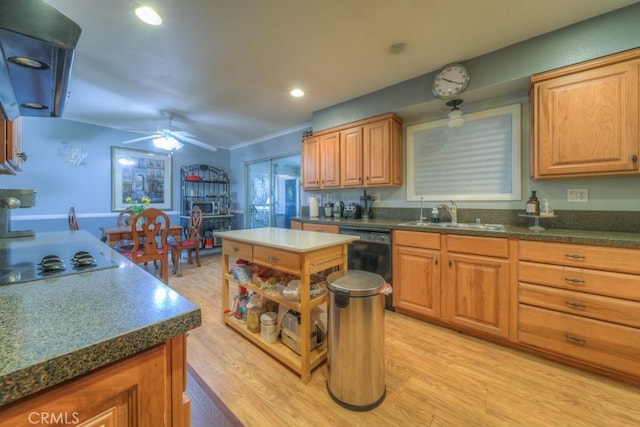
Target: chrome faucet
[(453, 211), (421, 202)]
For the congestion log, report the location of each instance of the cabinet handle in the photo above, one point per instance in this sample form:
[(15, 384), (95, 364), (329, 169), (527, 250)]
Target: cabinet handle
[(575, 256), (574, 281), (450, 263), (235, 249), (575, 339), (436, 262), (22, 156), (272, 258), (634, 158), (574, 304)]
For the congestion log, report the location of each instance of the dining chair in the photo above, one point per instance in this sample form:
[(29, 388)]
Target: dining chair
[(72, 219), (150, 230), (125, 218), (191, 243)]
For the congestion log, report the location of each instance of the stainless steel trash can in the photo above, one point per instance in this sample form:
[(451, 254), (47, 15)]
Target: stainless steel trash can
[(355, 358)]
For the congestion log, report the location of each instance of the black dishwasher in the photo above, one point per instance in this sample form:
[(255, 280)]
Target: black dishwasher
[(371, 253)]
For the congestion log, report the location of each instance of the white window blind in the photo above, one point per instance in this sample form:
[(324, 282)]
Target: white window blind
[(479, 160)]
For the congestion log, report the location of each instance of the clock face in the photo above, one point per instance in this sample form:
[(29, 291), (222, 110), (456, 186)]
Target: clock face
[(450, 81)]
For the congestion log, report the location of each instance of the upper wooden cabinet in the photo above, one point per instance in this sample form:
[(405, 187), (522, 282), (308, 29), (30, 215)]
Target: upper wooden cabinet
[(11, 155), (311, 163), (585, 118), (369, 155)]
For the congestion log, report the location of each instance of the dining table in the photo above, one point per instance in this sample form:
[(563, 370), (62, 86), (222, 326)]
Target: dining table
[(117, 234)]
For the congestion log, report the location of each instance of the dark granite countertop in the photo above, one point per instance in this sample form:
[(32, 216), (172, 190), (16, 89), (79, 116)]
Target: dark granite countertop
[(605, 238), (55, 329)]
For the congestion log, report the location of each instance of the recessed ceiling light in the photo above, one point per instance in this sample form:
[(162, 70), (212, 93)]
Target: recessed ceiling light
[(148, 15), (297, 93)]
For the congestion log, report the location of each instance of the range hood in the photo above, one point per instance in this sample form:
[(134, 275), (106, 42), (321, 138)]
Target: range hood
[(37, 43)]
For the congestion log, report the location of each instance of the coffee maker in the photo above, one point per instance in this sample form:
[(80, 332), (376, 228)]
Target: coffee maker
[(12, 199)]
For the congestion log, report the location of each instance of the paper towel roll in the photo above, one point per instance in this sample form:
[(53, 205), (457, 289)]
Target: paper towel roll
[(313, 207)]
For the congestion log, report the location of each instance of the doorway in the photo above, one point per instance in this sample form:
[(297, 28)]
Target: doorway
[(273, 192)]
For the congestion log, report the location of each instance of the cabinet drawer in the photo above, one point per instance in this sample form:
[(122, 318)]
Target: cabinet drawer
[(321, 227), (238, 250), (605, 344), (416, 239), (606, 283), (489, 246), (596, 257), (287, 262), (581, 304)]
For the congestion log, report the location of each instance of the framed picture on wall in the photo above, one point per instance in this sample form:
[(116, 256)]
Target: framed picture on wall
[(136, 174)]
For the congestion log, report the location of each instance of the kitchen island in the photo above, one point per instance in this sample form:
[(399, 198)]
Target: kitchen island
[(301, 253), (108, 343)]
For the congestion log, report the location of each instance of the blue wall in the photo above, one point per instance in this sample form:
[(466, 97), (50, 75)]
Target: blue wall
[(87, 187)]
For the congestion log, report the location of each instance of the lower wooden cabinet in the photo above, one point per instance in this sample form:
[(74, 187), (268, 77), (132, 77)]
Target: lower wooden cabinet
[(416, 273), (581, 302), (476, 289), (11, 155), (470, 288), (307, 226), (146, 389)]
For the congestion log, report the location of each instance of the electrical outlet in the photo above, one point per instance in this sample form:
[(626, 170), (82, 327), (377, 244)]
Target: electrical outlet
[(375, 197), (577, 195)]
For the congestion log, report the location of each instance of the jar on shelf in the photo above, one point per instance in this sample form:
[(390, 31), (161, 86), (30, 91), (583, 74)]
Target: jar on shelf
[(268, 329)]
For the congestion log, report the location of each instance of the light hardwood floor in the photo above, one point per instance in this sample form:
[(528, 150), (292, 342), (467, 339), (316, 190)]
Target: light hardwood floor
[(434, 377)]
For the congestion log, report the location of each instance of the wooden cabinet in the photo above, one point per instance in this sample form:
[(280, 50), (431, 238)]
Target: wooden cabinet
[(369, 155), (416, 273), (581, 302), (311, 163), (351, 165), (382, 153), (146, 389), (330, 160), (476, 283), (469, 289), (324, 228), (585, 118), (11, 154), (303, 263), (296, 225)]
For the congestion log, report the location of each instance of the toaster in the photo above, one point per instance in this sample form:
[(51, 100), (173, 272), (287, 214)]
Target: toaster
[(352, 211)]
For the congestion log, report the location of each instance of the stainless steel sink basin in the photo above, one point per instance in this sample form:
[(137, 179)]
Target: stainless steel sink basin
[(458, 225)]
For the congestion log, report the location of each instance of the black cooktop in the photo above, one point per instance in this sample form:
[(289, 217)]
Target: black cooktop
[(18, 265)]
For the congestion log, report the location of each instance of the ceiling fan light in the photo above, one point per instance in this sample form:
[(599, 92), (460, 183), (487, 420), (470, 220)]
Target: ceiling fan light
[(167, 143), (147, 15)]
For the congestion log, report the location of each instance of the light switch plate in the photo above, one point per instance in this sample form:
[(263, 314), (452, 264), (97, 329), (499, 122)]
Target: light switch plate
[(577, 195)]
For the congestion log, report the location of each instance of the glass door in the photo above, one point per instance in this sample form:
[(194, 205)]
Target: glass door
[(273, 192)]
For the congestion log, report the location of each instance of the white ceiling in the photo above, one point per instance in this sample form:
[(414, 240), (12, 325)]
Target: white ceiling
[(225, 67)]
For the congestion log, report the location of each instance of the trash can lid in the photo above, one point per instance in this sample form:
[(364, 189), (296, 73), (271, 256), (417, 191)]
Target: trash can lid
[(358, 283)]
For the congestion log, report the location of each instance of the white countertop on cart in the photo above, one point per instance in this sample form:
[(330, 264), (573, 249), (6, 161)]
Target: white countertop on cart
[(292, 240)]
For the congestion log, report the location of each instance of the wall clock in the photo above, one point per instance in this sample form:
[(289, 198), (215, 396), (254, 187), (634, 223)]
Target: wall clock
[(450, 81)]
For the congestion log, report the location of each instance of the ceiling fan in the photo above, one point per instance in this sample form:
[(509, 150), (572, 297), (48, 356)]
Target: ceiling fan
[(171, 138)]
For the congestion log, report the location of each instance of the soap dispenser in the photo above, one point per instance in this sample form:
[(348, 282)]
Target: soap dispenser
[(546, 209), (435, 215)]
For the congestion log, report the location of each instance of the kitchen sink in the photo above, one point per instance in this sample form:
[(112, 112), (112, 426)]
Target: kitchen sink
[(457, 225)]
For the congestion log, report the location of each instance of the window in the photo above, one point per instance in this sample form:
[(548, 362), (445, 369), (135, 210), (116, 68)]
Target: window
[(477, 161)]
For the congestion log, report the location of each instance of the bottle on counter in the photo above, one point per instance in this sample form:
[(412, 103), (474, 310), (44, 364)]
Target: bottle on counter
[(435, 215), (533, 204)]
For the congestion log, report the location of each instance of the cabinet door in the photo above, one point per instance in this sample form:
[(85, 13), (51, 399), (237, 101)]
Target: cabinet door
[(476, 293), (416, 281), (586, 123), (11, 146), (377, 153), (351, 157), (330, 160), (311, 163)]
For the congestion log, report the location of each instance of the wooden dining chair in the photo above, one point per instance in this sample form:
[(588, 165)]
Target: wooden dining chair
[(191, 243), (150, 230), (73, 220)]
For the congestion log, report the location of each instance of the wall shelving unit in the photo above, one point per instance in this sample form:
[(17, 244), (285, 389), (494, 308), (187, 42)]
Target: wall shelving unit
[(205, 183)]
